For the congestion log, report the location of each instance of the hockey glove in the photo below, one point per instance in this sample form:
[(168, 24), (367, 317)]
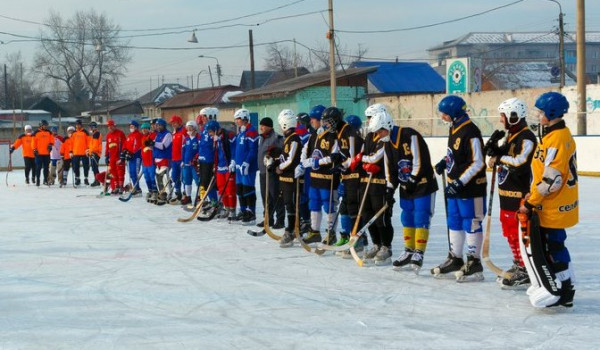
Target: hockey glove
[(371, 168), (299, 171), (49, 148), (440, 167), (337, 158), (232, 166), (267, 161), (149, 143), (355, 161), (454, 187), (11, 149), (493, 142), (411, 184)]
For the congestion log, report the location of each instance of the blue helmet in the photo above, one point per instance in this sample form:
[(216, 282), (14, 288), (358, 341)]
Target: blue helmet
[(317, 112), (212, 125), (553, 104), (135, 123), (354, 121), (161, 122), (454, 106)]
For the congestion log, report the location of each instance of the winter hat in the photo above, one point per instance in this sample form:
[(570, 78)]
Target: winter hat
[(145, 126), (266, 121)]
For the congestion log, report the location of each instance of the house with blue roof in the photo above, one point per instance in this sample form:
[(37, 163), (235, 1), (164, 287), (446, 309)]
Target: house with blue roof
[(402, 78)]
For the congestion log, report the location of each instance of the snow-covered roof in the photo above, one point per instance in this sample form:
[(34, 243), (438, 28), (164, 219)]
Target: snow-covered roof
[(524, 75), (23, 111), (228, 94), (516, 38)]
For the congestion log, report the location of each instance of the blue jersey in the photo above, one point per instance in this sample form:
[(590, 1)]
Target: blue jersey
[(190, 148), (162, 145), (206, 148), (246, 148)]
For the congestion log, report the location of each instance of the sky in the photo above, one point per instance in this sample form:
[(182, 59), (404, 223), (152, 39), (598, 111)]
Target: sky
[(302, 22)]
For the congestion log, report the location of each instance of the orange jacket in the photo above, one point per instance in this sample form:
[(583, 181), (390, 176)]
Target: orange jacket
[(80, 142), (42, 142), (66, 148), (95, 145), (25, 140)]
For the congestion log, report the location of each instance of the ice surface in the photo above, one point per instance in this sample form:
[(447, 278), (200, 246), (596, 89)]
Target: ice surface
[(80, 272)]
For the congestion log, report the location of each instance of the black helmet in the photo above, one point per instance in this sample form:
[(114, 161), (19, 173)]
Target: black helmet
[(303, 118), (43, 122), (93, 125), (333, 117)]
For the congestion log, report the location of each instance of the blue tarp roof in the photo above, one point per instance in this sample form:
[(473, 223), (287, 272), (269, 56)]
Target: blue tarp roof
[(404, 77)]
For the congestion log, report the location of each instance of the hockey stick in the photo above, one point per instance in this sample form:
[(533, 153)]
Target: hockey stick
[(261, 232), (446, 209), (9, 169), (360, 262), (486, 240), (133, 186), (164, 189), (214, 208), (266, 222), (358, 218), (297, 223), (199, 205)]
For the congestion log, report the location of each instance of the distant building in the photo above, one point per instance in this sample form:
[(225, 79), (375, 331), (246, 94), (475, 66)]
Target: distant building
[(514, 53), (122, 113), (151, 100), (267, 77), (188, 104)]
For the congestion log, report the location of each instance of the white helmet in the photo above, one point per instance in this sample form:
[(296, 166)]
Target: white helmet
[(243, 114), (210, 112), (28, 128), (513, 105), (192, 124), (287, 119), (373, 109), (380, 120), (71, 129)]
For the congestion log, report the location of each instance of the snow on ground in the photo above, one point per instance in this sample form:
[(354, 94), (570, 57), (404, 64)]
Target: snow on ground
[(79, 272)]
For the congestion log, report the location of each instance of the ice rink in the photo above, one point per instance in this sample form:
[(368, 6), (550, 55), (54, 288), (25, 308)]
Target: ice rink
[(80, 272)]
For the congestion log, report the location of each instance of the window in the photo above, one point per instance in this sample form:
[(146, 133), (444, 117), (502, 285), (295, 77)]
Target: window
[(571, 53)]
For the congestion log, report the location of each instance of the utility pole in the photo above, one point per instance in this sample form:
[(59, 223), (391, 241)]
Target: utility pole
[(561, 46), (331, 37), (5, 88), (295, 61), (251, 43), (219, 73), (212, 83), (581, 76)]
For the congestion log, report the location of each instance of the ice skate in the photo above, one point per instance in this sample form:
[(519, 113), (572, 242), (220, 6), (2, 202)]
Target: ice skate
[(511, 270), (136, 192), (451, 264), (312, 237), (403, 261), (518, 280), (86, 182), (383, 256), (287, 240), (416, 262), (330, 239), (472, 270), (249, 218), (359, 247), (370, 254)]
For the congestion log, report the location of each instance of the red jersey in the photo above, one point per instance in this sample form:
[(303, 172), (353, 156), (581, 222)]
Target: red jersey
[(134, 144), (147, 157), (115, 142), (177, 146)]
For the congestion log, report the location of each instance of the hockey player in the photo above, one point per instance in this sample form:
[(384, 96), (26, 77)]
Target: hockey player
[(115, 143), (554, 196), (148, 167), (270, 142), (179, 134), (323, 182), (132, 153), (465, 192), (245, 165), (225, 179), (162, 143), (42, 145), (26, 141), (95, 150), (513, 159), (349, 188), (417, 196), (66, 150), (189, 158), (304, 130), (285, 167), (379, 160), (55, 158), (80, 141)]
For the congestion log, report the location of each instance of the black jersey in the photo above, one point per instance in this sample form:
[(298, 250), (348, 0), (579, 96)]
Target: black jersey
[(384, 155), (464, 159), (320, 146), (414, 160), (350, 143), (514, 169), (290, 156)]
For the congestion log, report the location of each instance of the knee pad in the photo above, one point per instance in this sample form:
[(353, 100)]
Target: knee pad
[(422, 219), (406, 218)]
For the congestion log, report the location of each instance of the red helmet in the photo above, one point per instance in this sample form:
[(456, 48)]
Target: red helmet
[(110, 123), (176, 119)]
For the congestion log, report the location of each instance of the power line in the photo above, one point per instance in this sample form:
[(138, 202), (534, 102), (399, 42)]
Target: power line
[(427, 25)]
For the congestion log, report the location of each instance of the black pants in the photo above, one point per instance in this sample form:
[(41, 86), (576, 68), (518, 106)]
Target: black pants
[(275, 202), (29, 167), (288, 195), (65, 171), (247, 196), (42, 162), (86, 165), (94, 163), (382, 231), (351, 202), (206, 174)]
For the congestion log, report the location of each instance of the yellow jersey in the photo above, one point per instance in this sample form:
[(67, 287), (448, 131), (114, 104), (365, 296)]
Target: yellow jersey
[(560, 207)]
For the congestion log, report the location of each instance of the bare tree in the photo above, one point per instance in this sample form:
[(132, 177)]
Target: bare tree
[(343, 56), (83, 49), (21, 88), (282, 58)]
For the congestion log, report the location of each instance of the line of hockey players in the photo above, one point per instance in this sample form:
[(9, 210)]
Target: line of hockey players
[(347, 170)]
